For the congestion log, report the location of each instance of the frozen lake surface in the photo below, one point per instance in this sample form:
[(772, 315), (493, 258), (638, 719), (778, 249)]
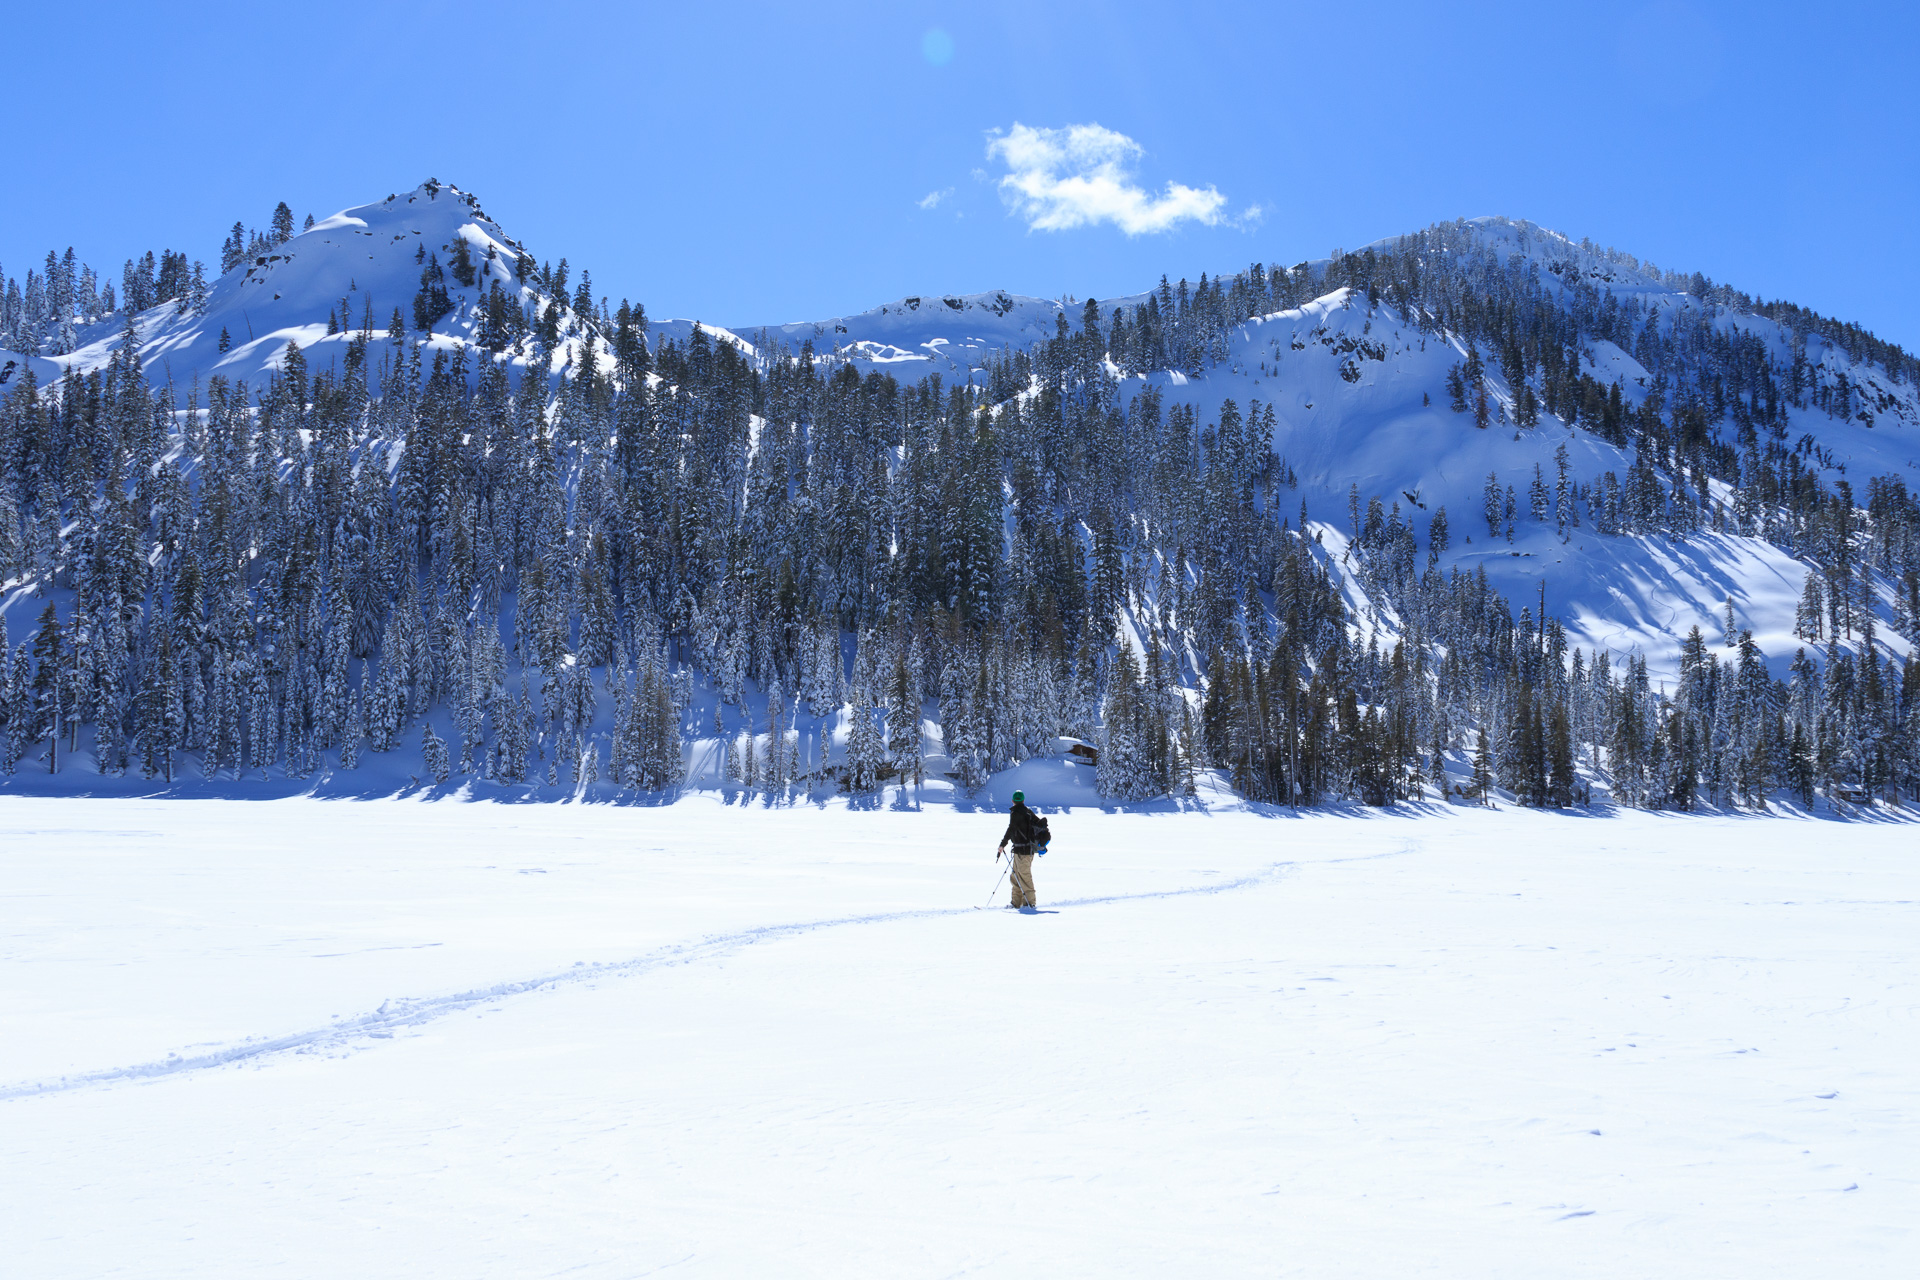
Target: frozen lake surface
[(305, 1038)]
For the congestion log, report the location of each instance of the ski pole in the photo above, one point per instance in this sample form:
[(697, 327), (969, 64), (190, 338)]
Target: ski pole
[(1003, 876)]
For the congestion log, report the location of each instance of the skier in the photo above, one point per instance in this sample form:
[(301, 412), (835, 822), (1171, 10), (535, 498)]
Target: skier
[(1024, 828)]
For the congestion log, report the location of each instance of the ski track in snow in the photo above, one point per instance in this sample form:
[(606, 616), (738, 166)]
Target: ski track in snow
[(402, 1013)]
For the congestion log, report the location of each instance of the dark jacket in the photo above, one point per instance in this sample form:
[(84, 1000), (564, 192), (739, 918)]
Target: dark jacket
[(1020, 829)]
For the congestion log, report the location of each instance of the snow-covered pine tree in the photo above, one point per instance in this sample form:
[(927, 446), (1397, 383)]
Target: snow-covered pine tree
[(433, 755), (1566, 511), (903, 724), (1811, 611), (775, 770), (962, 749), (866, 754), (749, 752), (354, 733), (1125, 771), (46, 702), (1481, 786)]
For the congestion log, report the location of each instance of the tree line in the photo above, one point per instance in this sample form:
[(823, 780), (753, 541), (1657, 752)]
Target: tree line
[(241, 580)]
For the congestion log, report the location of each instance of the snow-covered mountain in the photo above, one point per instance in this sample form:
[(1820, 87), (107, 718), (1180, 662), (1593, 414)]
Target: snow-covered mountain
[(343, 279), (911, 337), (1621, 455), (1358, 393), (1359, 403)]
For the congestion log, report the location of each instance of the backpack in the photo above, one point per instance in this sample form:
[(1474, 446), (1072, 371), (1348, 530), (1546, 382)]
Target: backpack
[(1040, 833)]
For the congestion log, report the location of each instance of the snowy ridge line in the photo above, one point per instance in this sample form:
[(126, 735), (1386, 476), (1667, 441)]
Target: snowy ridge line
[(395, 1014)]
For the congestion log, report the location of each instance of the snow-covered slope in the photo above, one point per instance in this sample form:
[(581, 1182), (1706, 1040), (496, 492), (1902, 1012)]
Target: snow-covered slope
[(1359, 402)]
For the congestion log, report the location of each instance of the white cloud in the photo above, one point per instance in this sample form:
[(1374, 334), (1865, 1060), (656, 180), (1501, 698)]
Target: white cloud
[(933, 198), (1082, 175)]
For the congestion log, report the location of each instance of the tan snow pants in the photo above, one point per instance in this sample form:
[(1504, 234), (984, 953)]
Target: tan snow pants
[(1022, 876)]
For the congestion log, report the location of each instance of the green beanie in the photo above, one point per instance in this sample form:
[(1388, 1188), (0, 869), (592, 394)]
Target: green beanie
[(1019, 797)]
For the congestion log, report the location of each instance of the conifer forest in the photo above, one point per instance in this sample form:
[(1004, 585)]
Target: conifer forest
[(565, 548)]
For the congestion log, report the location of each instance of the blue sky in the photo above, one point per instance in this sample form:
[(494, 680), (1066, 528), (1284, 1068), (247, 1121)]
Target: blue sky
[(746, 164)]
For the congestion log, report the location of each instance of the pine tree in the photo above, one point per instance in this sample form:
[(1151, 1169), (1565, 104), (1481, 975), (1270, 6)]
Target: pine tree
[(963, 749), (866, 756), (1811, 611), (1438, 536), (1125, 770), (776, 771), (461, 262), (1560, 767), (434, 757), (47, 708), (1481, 788), (1475, 377), (234, 251), (903, 724), (1526, 413), (1566, 512)]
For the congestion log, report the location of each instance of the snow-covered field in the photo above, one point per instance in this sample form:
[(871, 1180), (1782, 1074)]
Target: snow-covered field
[(306, 1038)]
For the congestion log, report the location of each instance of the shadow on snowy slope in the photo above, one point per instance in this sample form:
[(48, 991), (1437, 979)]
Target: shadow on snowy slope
[(1052, 785)]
